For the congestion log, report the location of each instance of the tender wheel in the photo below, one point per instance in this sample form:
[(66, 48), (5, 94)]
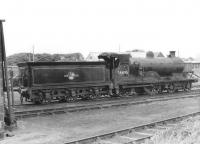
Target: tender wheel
[(21, 99), (48, 100), (22, 96), (88, 97), (91, 97), (154, 90), (188, 86), (139, 91), (171, 88), (62, 99), (126, 92), (151, 90), (39, 100), (69, 99), (159, 89)]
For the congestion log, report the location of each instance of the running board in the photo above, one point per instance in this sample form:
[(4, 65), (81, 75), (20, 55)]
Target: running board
[(135, 86)]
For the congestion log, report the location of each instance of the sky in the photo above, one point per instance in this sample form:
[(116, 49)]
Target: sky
[(68, 26)]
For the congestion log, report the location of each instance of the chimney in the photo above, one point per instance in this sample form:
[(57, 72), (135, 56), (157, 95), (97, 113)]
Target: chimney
[(172, 54)]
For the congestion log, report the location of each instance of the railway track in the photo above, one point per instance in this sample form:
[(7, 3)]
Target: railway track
[(133, 135), (102, 104)]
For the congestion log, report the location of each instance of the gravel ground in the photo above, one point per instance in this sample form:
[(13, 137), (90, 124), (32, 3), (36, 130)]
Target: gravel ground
[(57, 129)]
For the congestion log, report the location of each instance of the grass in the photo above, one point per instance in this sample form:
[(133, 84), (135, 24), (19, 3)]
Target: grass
[(186, 132)]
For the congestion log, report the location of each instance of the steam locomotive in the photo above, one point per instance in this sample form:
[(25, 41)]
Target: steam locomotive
[(116, 75)]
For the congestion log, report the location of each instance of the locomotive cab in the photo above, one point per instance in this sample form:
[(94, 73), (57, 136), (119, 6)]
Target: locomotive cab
[(118, 64)]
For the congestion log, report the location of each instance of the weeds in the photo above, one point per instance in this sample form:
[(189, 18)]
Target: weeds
[(186, 132)]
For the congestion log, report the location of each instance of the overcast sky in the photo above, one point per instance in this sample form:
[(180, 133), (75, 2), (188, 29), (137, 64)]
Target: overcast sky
[(67, 26)]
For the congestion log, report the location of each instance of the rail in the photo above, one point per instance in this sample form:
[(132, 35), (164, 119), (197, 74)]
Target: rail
[(102, 104)]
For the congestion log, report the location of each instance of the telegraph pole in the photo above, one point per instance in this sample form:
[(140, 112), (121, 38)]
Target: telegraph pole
[(6, 113), (2, 101)]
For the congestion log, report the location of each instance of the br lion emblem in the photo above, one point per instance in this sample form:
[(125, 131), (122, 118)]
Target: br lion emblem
[(71, 75)]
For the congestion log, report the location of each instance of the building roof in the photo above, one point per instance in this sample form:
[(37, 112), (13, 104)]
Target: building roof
[(93, 56), (158, 54)]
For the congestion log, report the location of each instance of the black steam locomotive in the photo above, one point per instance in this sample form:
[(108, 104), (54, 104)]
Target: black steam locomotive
[(117, 75)]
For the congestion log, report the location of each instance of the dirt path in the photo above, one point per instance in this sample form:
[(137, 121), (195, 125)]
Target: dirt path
[(57, 129)]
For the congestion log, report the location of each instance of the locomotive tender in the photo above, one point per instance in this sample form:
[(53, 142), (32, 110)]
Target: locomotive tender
[(118, 74)]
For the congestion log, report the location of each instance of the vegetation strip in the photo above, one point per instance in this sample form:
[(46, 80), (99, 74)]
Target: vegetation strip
[(104, 138), (44, 112)]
